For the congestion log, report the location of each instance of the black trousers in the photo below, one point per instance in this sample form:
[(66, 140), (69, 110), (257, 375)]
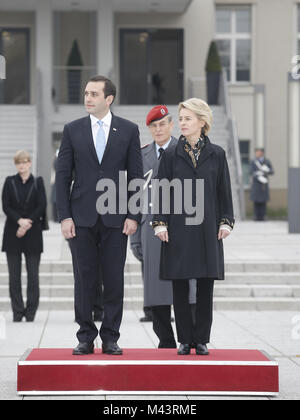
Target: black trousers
[(98, 301), (197, 331), (14, 262), (162, 326), (85, 255), (260, 210)]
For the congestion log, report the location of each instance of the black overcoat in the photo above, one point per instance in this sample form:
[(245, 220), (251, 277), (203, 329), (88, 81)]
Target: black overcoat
[(195, 251), (15, 208)]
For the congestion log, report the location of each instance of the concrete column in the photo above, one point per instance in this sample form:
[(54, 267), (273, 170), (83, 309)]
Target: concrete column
[(105, 39), (294, 155), (260, 117), (44, 68)]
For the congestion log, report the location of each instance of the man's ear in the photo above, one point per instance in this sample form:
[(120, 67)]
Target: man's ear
[(110, 99)]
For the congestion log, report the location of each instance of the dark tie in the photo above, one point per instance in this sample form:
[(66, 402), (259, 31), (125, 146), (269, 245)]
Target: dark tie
[(161, 151)]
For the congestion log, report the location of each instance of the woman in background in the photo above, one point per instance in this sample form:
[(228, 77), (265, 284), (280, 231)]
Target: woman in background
[(24, 203)]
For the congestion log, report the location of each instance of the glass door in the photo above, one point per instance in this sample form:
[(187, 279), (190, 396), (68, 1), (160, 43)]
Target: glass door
[(14, 46), (151, 66)]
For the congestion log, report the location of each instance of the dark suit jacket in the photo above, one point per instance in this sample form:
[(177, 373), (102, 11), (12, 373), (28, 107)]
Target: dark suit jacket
[(78, 161), (32, 207)]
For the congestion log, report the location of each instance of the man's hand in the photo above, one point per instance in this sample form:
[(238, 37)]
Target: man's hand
[(68, 229), (130, 227)]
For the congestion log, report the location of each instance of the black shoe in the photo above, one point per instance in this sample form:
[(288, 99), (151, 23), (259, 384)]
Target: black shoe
[(201, 350), (184, 350), (17, 318), (111, 348), (29, 319), (83, 349)]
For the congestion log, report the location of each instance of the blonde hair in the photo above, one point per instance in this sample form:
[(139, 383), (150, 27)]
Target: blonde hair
[(201, 109), (22, 155)]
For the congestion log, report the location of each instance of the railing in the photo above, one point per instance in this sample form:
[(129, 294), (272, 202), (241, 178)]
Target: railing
[(234, 148), (69, 83)]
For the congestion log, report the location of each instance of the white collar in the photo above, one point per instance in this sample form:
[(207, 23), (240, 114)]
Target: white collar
[(164, 146), (106, 120)]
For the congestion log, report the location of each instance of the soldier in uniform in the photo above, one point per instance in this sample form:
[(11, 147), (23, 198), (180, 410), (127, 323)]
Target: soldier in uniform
[(157, 294), (260, 169)]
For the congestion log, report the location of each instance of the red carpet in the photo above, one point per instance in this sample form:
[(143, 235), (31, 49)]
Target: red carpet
[(53, 371)]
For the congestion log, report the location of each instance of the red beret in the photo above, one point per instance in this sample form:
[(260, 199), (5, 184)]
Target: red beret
[(157, 113)]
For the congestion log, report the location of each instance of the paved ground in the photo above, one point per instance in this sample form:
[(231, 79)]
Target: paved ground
[(277, 333)]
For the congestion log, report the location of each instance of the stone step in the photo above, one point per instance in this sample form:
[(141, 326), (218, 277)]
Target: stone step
[(247, 304), (137, 290), (234, 278), (134, 266)]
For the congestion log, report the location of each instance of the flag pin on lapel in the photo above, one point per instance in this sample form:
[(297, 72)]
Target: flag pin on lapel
[(114, 129)]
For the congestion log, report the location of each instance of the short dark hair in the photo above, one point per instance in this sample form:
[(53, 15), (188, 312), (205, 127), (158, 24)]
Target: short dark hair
[(109, 86)]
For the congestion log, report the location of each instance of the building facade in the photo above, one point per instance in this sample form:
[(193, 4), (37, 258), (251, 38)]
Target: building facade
[(156, 52)]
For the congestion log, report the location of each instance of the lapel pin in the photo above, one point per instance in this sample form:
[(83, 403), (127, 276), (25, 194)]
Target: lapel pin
[(114, 129)]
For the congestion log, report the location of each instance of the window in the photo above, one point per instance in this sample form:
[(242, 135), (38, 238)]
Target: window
[(15, 47), (245, 158), (74, 55), (234, 41)]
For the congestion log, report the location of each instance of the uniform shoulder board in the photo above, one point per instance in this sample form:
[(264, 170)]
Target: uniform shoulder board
[(145, 145)]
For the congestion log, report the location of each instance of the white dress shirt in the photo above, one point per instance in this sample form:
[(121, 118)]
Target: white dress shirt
[(106, 126)]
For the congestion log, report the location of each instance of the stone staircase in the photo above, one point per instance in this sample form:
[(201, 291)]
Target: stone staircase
[(249, 286)]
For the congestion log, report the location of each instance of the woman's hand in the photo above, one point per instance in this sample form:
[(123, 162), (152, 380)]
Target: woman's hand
[(163, 236), (21, 232), (223, 233), (25, 223)]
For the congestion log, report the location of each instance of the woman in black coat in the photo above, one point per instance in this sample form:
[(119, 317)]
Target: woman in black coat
[(194, 250), (24, 203)]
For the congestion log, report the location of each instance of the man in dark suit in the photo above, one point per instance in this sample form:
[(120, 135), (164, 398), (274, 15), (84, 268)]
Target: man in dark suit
[(98, 147)]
